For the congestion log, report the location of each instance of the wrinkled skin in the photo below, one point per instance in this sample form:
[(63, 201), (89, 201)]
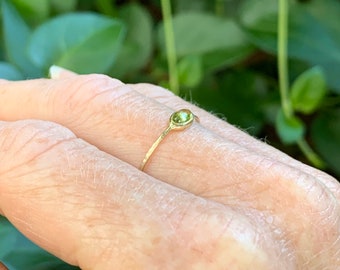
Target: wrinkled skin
[(212, 197)]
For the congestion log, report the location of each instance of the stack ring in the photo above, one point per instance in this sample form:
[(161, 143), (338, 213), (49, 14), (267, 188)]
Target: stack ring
[(179, 120)]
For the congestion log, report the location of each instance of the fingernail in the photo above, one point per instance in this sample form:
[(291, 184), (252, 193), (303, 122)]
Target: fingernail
[(55, 71)]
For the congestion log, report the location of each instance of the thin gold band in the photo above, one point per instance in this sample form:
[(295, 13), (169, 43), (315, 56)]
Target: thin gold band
[(179, 120)]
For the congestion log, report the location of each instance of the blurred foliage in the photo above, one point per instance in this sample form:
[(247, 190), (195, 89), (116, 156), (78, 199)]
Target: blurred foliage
[(226, 62)]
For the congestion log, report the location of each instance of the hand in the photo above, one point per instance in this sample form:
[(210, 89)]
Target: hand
[(212, 197)]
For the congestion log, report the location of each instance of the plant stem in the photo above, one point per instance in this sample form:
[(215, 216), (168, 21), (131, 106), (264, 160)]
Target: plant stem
[(219, 7), (310, 154), (170, 46), (282, 48), (106, 7)]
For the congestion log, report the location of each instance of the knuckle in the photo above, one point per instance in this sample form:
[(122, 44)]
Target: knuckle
[(157, 92), (87, 94), (24, 141), (298, 191), (320, 201), (216, 240), (304, 208), (311, 216)]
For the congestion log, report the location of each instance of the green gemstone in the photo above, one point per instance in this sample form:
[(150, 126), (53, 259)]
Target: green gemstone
[(182, 118)]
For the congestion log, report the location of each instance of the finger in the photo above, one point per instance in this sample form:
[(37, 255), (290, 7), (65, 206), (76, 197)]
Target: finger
[(233, 134), (101, 135), (94, 211), (59, 114), (273, 155), (239, 137), (125, 123), (3, 267), (218, 126)]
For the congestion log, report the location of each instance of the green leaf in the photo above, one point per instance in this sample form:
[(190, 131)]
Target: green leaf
[(106, 7), (181, 6), (190, 71), (220, 39), (9, 72), (16, 35), (308, 90), (11, 239), (290, 130), (23, 258), (138, 45), (8, 237), (34, 11), (260, 15), (63, 6), (214, 33), (17, 252), (325, 133), (83, 42), (326, 12), (237, 95), (216, 60), (309, 38)]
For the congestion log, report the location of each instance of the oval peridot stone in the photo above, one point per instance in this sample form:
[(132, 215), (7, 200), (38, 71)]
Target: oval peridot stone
[(182, 118)]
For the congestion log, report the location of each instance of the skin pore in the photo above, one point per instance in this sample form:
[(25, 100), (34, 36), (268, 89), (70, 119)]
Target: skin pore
[(211, 197)]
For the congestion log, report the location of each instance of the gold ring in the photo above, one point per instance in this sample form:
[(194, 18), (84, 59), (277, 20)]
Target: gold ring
[(179, 120)]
